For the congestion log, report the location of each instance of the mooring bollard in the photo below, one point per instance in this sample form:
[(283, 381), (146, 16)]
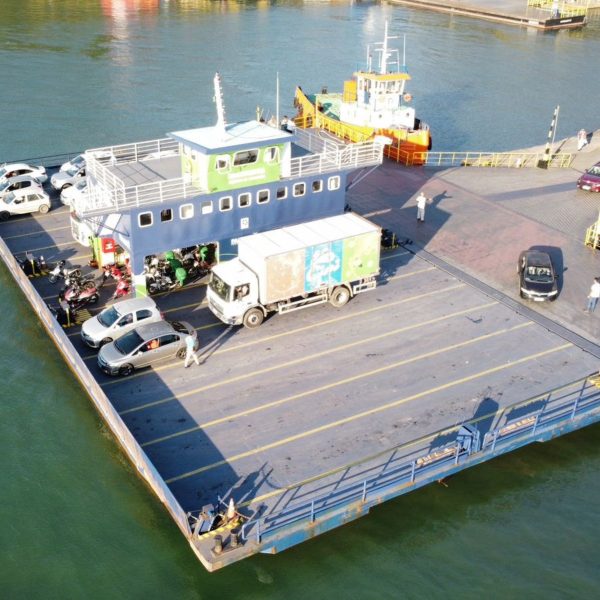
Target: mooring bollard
[(234, 540), (218, 547)]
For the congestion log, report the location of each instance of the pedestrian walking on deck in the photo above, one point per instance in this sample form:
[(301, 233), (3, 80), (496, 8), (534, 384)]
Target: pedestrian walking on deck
[(422, 201), (593, 296), (582, 139), (190, 353)]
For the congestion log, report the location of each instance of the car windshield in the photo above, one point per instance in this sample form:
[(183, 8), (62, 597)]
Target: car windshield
[(108, 317), (595, 170), (219, 287), (72, 170), (2, 172), (4, 185), (538, 274), (81, 184), (9, 197), (128, 343)]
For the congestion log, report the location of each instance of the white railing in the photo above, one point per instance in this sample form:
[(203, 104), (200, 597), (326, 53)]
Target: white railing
[(136, 152), (108, 193)]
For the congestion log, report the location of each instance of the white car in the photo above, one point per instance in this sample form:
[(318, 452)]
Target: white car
[(64, 179), (77, 162), (118, 319), (7, 171), (20, 182), (74, 191), (25, 201)]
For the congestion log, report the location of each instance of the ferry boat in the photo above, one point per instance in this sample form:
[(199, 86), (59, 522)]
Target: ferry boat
[(374, 103), (211, 185)]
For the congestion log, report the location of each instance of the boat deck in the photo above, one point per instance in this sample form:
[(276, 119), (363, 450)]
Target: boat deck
[(312, 391)]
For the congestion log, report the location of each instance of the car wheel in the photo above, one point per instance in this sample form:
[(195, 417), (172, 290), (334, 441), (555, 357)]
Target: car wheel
[(105, 341), (44, 208), (4, 215), (181, 353), (64, 187), (522, 295), (253, 318), (339, 296), (126, 370)]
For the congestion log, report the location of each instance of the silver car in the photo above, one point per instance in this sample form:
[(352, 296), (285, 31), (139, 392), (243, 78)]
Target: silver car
[(19, 182), (117, 320), (64, 179), (145, 346)]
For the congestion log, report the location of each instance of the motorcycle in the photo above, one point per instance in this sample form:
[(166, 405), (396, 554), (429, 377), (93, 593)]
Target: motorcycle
[(123, 288), (61, 270), (32, 266), (159, 282), (80, 294)]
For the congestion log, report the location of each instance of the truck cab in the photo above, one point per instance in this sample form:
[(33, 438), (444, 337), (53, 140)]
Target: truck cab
[(233, 292)]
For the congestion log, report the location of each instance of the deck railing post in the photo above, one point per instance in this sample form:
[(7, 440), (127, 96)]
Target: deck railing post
[(364, 491), (258, 532), (412, 473), (312, 511), (495, 440), (535, 424), (456, 454)]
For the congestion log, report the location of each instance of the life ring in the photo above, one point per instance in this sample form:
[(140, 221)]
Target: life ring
[(407, 97)]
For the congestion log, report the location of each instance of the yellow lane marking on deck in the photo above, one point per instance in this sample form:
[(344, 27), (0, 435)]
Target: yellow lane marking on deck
[(33, 233), (300, 329), (363, 414), (333, 384)]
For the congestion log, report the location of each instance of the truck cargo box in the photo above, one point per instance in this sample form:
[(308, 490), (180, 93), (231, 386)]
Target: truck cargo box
[(296, 260)]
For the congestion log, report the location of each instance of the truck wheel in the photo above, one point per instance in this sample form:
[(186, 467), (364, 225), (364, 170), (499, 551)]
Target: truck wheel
[(339, 296), (253, 318)]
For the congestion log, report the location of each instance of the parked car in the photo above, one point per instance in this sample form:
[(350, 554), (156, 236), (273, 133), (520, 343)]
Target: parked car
[(145, 346), (537, 277), (77, 162), (20, 182), (117, 320), (24, 201), (590, 180), (64, 179), (15, 169), (73, 191)]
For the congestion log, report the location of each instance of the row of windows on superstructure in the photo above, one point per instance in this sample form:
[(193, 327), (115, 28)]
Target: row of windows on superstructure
[(244, 200)]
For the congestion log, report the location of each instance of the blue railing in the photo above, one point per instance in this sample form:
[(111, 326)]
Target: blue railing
[(409, 466)]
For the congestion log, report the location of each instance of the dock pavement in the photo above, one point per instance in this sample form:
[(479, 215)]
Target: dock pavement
[(480, 219)]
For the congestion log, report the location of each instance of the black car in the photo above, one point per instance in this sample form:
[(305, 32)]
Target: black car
[(537, 278)]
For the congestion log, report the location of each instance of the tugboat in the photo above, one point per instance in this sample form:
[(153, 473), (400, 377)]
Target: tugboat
[(374, 104)]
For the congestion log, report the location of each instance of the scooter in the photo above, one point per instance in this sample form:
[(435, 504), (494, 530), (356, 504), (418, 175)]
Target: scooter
[(32, 266), (61, 270), (159, 282), (79, 295), (123, 288)]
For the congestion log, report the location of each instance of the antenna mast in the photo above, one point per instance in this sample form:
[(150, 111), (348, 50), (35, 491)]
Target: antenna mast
[(219, 101)]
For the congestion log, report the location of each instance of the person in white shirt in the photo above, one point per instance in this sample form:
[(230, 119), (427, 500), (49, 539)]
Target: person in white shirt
[(422, 201), (593, 296)]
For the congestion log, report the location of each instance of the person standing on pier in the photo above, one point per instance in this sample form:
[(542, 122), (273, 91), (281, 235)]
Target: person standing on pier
[(422, 201), (581, 139), (190, 353), (593, 296)]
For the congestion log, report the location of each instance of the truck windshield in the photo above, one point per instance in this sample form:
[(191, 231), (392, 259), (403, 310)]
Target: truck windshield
[(219, 287)]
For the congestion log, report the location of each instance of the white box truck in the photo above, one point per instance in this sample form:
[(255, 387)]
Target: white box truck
[(329, 260)]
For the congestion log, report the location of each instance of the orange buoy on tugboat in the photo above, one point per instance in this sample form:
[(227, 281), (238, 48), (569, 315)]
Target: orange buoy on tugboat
[(374, 103)]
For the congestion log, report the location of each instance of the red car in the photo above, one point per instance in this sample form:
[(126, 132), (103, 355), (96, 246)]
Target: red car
[(590, 180)]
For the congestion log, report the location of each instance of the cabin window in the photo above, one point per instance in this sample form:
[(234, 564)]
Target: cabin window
[(272, 154), (186, 211), (244, 199), (299, 189), (225, 203), (145, 219), (223, 162), (166, 215), (281, 193), (317, 185), (206, 207), (334, 183), (262, 196), (245, 157)]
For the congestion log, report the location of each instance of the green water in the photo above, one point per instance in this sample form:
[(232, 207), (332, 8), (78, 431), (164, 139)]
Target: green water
[(76, 520)]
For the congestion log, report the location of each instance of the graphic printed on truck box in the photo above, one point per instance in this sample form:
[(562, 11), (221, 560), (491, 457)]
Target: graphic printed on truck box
[(360, 256), (323, 265)]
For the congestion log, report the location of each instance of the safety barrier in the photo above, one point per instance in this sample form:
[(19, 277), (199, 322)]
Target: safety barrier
[(350, 490), (515, 160), (133, 450)]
